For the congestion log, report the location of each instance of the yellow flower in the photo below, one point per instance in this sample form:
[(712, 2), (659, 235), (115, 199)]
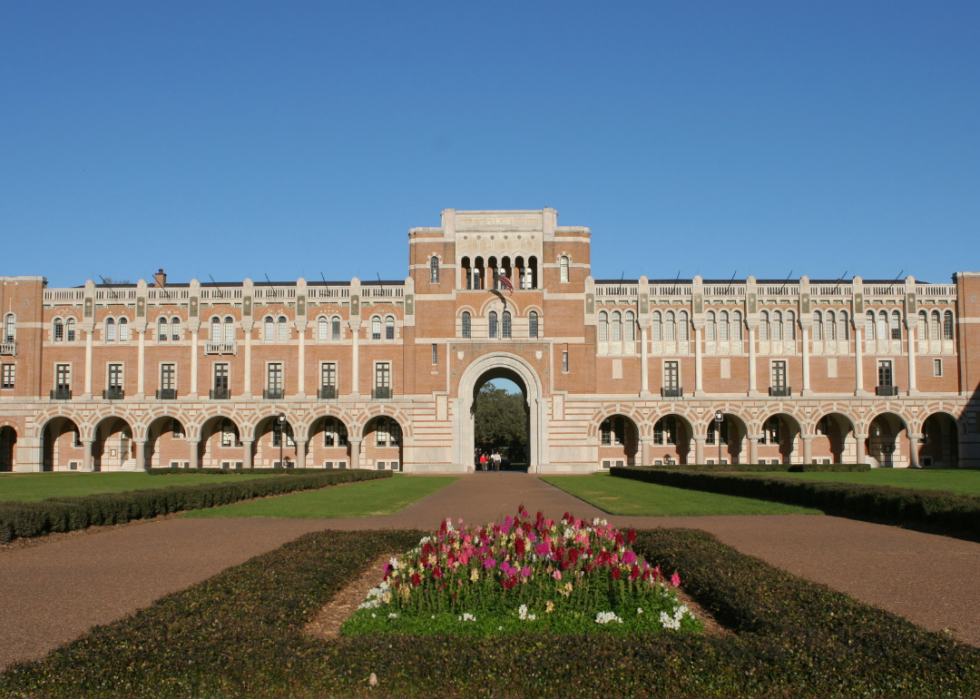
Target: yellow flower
[(474, 575), (549, 607)]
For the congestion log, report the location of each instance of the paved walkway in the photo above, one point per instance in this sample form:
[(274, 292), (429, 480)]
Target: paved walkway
[(53, 593)]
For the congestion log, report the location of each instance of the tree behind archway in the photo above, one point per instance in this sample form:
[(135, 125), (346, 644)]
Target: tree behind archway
[(501, 422)]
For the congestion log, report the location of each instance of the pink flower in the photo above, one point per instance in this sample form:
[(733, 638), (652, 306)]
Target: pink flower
[(526, 572), (489, 563), (556, 575), (675, 580), (629, 558)]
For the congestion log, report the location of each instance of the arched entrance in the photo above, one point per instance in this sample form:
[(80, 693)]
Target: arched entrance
[(500, 365), (382, 444), (884, 445), (619, 440), (329, 444), (220, 445), (8, 441), (731, 437), (166, 443), (113, 448), (778, 442), (834, 441), (671, 443), (939, 446), (61, 446)]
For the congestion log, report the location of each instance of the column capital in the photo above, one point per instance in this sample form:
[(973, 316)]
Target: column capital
[(807, 437), (700, 438)]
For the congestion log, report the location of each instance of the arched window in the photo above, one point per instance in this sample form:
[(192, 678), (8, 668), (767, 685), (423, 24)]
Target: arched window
[(390, 328), (948, 325), (70, 329), (896, 326), (923, 328), (506, 324), (110, 330), (215, 335), (882, 329), (790, 325), (335, 329), (764, 325), (683, 326), (532, 324), (665, 430), (817, 325), (59, 330), (670, 327), (934, 326), (709, 326), (123, 329), (723, 326), (657, 327), (563, 265), (466, 324), (603, 327), (737, 326), (9, 328), (334, 433), (269, 331), (376, 328), (843, 328), (492, 330), (433, 270), (869, 325), (322, 329), (777, 325), (175, 328), (630, 327), (163, 330), (613, 430), (467, 273), (531, 273), (617, 326), (831, 326), (229, 329), (283, 329)]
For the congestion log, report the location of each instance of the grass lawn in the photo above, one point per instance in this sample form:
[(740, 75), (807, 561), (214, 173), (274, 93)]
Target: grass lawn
[(365, 499), (962, 481), (41, 486), (623, 496)]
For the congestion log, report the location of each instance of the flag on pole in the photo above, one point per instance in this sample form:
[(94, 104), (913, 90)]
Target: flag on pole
[(506, 283)]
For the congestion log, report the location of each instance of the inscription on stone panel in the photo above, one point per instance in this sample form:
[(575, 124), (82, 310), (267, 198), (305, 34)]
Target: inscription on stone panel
[(88, 308), (193, 311), (247, 306), (140, 307)]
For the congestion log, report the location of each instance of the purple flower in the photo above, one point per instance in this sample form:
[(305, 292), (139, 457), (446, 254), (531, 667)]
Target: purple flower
[(489, 563)]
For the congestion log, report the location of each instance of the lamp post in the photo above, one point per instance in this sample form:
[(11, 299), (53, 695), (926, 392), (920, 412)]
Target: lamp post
[(719, 418), (282, 435)]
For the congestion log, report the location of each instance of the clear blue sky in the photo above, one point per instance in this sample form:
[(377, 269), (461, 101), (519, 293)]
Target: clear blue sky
[(237, 139)]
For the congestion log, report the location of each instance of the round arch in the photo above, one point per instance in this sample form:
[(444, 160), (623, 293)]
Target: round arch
[(834, 438), (939, 441), (8, 446), (113, 447), (883, 445), (735, 432), (486, 368), (671, 439), (619, 439), (61, 442), (780, 433), (166, 440)]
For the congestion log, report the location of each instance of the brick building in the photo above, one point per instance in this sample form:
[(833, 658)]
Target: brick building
[(383, 374)]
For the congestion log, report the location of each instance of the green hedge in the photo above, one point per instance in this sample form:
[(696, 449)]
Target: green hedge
[(30, 519), (766, 468), (932, 510), (233, 471), (239, 635)]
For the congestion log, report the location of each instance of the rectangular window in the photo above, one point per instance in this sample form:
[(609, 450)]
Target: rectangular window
[(671, 375), (168, 376), (59, 332), (885, 373), (937, 367), (435, 354), (335, 329), (328, 375), (62, 377), (382, 375), (778, 374), (221, 377), (564, 361), (115, 376), (9, 374), (274, 376)]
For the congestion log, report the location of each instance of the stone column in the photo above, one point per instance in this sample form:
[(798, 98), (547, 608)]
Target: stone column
[(247, 367), (300, 452), (89, 337), (644, 444), (192, 446), (753, 391), (301, 376), (194, 352), (355, 453), (246, 453), (806, 360), (87, 455), (698, 373), (141, 366), (914, 439), (355, 363), (912, 338), (644, 368), (754, 448), (858, 360), (859, 456), (699, 441), (140, 454), (807, 447)]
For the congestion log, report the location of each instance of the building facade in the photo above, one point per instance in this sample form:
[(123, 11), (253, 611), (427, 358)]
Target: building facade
[(384, 374)]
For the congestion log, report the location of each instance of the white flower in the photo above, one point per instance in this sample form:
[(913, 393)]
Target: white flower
[(373, 615), (523, 615), (606, 617), (673, 622), (639, 610), (392, 616), (467, 617)]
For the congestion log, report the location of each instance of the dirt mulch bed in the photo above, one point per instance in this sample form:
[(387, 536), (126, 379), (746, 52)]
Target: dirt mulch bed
[(326, 624)]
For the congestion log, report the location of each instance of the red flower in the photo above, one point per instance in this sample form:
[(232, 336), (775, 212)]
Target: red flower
[(416, 580), (519, 546), (436, 573), (631, 536), (615, 573), (635, 572)]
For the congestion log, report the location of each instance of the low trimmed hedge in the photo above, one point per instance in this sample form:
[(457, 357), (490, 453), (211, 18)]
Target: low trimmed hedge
[(239, 634), (29, 519), (234, 471), (765, 468), (933, 510)]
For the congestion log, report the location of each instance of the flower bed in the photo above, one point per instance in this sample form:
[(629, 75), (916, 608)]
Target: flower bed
[(522, 575)]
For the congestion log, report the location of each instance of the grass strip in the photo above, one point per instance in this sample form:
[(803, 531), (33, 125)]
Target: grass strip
[(370, 499), (934, 511), (30, 519), (960, 480), (239, 634), (618, 496)]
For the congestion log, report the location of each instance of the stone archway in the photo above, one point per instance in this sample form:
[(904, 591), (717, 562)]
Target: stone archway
[(500, 365)]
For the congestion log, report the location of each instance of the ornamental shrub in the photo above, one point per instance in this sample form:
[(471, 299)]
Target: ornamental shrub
[(764, 468)]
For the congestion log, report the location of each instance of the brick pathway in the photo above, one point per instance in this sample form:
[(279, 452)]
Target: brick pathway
[(54, 592)]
